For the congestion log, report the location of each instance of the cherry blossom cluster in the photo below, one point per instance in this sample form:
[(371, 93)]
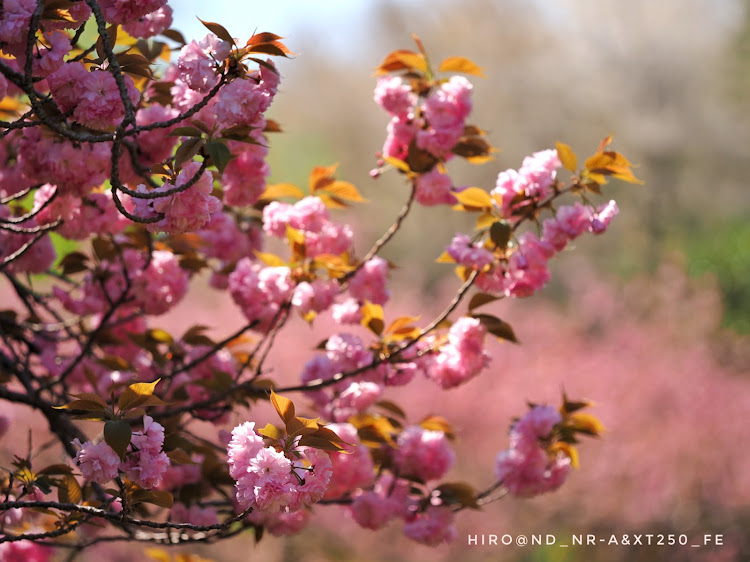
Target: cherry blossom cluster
[(421, 455), (519, 268), (529, 467), (270, 480), (144, 462), (434, 124)]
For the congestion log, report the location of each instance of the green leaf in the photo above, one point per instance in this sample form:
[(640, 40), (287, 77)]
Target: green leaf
[(117, 434), (219, 153), (500, 233), (458, 493), (497, 327), (185, 132)]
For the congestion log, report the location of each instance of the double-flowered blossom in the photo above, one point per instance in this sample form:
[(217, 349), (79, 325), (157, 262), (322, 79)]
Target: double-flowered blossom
[(146, 462), (94, 214), (462, 358), (423, 453), (370, 282), (395, 96), (268, 480), (197, 62), (310, 216), (433, 526), (435, 125), (129, 11), (465, 253), (98, 461), (260, 291), (445, 111), (184, 211), (527, 468), (352, 468), (434, 188), (150, 24), (15, 21), (157, 285)]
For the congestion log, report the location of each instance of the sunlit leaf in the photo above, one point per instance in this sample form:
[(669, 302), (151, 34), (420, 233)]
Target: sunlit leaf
[(460, 64), (567, 156), (278, 190), (345, 190), (270, 259), (398, 164), (372, 317), (284, 407), (136, 395), (474, 197), (218, 30)]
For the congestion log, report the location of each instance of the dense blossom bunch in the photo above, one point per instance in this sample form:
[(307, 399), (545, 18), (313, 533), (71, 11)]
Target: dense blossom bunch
[(528, 468), (269, 480), (123, 178), (144, 463)]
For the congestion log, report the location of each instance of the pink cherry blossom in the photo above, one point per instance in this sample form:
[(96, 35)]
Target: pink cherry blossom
[(537, 173), (353, 469), (241, 102), (129, 11), (369, 283), (467, 254), (183, 211), (432, 527), (98, 462), (603, 216), (197, 62), (434, 188), (150, 24), (100, 105), (423, 453), (161, 285), (393, 95), (463, 357)]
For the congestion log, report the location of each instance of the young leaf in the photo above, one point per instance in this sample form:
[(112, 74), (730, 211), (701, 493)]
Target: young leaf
[(398, 164), (218, 30), (460, 64), (69, 490), (284, 407), (345, 190), (474, 197), (567, 156), (136, 395), (372, 317), (270, 259), (271, 431)]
